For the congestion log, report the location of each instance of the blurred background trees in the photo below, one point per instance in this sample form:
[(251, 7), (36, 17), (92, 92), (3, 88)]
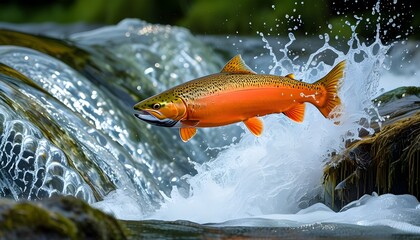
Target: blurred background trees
[(397, 18)]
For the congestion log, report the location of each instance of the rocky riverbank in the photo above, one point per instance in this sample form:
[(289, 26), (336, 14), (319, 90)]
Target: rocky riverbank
[(388, 161)]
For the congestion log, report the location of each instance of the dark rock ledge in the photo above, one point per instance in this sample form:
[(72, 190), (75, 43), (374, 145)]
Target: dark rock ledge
[(387, 162)]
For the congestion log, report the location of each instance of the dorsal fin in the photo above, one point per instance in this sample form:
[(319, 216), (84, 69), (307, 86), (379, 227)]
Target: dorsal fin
[(291, 76), (237, 65)]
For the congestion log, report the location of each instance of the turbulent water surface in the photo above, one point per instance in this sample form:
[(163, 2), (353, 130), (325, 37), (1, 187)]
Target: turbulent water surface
[(68, 128)]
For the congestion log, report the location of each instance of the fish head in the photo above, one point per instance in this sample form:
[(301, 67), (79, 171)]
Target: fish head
[(161, 110)]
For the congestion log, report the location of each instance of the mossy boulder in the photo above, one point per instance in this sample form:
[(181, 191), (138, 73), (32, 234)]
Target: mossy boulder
[(60, 217), (387, 162)]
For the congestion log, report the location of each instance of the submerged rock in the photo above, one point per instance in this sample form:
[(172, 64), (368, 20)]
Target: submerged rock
[(155, 229), (387, 162), (62, 217)]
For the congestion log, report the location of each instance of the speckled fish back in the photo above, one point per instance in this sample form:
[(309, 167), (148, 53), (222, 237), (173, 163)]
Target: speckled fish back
[(225, 82)]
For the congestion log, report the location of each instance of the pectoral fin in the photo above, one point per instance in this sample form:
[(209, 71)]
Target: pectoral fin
[(187, 133), (296, 113), (255, 125)]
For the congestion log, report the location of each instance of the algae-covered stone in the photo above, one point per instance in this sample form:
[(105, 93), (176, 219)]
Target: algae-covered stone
[(387, 162), (398, 93), (62, 217)]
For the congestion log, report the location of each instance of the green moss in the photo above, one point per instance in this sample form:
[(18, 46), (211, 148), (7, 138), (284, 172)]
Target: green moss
[(398, 93), (59, 217), (8, 71), (62, 50), (27, 218)]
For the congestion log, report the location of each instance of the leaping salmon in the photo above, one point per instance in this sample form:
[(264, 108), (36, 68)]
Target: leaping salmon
[(238, 94)]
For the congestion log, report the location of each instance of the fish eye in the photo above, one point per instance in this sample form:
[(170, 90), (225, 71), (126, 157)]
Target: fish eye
[(156, 106)]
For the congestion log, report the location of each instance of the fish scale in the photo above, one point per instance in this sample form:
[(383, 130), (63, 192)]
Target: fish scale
[(216, 83), (238, 94)]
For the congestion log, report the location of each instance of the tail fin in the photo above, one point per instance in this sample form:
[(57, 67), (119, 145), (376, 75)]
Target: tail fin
[(331, 83)]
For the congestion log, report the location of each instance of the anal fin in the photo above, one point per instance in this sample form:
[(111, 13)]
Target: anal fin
[(187, 133), (255, 125), (296, 113)]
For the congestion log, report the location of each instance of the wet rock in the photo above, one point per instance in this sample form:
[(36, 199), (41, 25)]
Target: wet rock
[(62, 217), (398, 104), (387, 162), (155, 229), (85, 60)]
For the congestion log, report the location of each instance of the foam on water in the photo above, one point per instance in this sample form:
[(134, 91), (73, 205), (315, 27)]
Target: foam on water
[(399, 212), (277, 176), (281, 171)]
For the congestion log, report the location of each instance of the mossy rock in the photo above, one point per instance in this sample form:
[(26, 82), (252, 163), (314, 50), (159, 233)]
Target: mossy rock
[(61, 217), (398, 93), (387, 162), (398, 103)]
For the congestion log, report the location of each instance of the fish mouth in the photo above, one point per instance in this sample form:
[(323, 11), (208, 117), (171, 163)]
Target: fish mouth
[(152, 119)]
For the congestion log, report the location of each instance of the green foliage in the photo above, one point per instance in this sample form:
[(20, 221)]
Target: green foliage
[(217, 16), (248, 16), (92, 11), (103, 11), (244, 17)]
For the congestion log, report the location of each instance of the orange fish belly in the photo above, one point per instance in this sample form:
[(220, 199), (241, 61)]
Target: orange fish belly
[(238, 94), (239, 105)]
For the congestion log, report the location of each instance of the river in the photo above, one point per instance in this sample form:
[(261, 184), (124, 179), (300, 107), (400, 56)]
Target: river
[(68, 127)]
